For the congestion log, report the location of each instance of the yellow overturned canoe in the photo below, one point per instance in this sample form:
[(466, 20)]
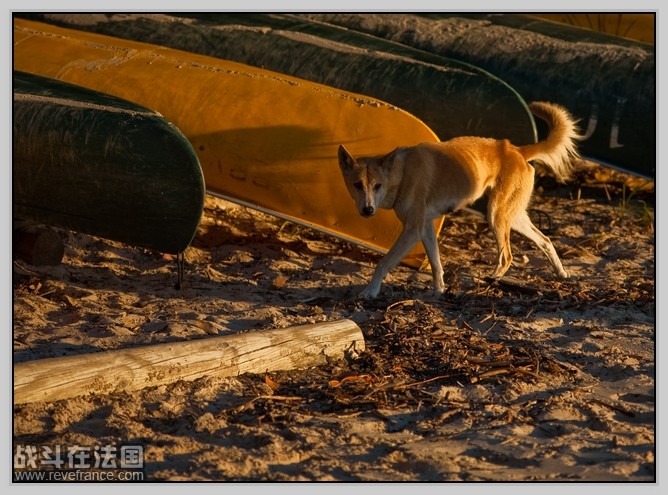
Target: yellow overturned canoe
[(263, 139), (637, 26)]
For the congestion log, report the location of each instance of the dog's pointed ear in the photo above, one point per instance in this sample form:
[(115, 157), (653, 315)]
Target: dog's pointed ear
[(346, 160), (385, 162)]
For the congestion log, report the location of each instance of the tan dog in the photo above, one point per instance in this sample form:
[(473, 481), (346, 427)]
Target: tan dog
[(421, 183)]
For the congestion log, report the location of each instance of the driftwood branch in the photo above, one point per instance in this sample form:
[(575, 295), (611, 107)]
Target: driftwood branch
[(125, 370)]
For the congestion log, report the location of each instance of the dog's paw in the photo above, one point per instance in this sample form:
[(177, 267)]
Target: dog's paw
[(369, 293), (439, 286)]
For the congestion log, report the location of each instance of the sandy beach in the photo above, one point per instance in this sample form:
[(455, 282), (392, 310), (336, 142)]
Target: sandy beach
[(530, 379)]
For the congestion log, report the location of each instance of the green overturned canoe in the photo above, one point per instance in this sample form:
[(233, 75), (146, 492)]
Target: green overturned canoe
[(453, 98), (93, 163), (607, 81)]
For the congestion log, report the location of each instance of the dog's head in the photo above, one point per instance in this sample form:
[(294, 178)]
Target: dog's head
[(367, 180)]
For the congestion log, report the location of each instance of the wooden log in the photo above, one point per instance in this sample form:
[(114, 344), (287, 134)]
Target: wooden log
[(126, 370)]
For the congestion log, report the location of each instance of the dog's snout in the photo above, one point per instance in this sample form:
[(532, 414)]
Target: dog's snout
[(368, 211)]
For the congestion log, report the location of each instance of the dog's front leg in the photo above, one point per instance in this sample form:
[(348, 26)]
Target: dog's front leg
[(407, 239), (430, 243)]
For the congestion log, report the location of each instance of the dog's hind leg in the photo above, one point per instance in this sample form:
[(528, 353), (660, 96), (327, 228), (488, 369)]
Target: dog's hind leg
[(501, 231), (522, 224), (430, 242), (499, 223)]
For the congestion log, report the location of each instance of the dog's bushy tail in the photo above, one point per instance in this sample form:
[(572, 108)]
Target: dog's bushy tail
[(559, 148)]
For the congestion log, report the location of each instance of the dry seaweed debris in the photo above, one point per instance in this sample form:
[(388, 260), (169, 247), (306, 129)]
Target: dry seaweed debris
[(413, 353)]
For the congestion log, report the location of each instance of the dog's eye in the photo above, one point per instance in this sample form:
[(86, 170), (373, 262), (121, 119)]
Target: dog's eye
[(376, 187), (358, 185)]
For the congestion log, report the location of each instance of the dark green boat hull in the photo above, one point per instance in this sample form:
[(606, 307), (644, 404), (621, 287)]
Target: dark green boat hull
[(608, 82), (96, 164)]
